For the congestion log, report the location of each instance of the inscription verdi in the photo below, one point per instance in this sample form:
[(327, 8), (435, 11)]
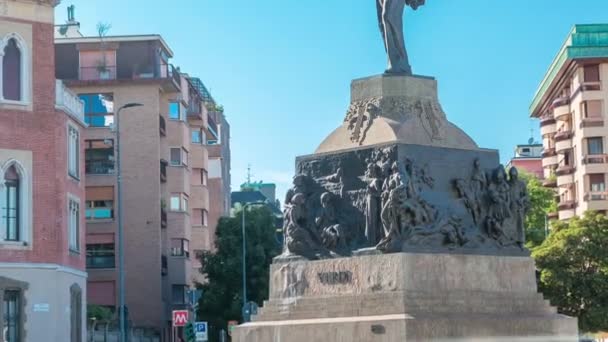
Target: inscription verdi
[(336, 278)]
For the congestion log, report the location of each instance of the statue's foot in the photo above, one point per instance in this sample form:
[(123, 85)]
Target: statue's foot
[(398, 71)]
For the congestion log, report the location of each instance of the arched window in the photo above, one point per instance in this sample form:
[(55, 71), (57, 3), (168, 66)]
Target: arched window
[(10, 205), (12, 78)]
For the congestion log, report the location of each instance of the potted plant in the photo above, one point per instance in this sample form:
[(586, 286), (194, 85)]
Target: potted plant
[(102, 65)]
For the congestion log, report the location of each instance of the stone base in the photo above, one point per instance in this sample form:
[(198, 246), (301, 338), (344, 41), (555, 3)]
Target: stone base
[(407, 297)]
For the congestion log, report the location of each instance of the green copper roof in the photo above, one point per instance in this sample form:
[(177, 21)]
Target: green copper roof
[(584, 41)]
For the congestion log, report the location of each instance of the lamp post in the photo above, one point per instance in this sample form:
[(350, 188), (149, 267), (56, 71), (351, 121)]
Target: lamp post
[(245, 255), (121, 259)]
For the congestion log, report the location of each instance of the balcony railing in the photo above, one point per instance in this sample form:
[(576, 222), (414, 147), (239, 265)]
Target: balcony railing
[(595, 159), (561, 101), (547, 120), (212, 127), (99, 167), (113, 72), (564, 170), (164, 268), (100, 261), (163, 218), (162, 126), (563, 135), (68, 101), (592, 122), (549, 152), (596, 196), (550, 182), (163, 171), (567, 205), (99, 214)]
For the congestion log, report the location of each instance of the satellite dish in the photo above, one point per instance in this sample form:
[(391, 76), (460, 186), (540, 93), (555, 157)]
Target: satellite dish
[(530, 141)]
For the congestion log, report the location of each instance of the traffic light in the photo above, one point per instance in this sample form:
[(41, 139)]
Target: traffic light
[(189, 332)]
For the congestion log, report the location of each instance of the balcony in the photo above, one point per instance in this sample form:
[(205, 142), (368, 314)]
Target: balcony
[(68, 101), (561, 101), (163, 171), (547, 125), (99, 167), (592, 122), (563, 141), (563, 170), (166, 73), (567, 205), (596, 196), (212, 128), (162, 124), (550, 182), (549, 152), (564, 135), (549, 156), (100, 261), (595, 159), (561, 112), (164, 268), (163, 218), (552, 216)]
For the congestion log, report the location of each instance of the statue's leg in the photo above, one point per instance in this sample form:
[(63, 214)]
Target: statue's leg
[(392, 17)]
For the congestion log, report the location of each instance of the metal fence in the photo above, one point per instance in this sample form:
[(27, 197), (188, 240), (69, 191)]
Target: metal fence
[(109, 332)]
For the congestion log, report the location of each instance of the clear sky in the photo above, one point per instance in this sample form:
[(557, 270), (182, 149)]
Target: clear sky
[(282, 69)]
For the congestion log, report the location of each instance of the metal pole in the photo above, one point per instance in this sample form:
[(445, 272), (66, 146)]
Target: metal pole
[(121, 260), (244, 260)]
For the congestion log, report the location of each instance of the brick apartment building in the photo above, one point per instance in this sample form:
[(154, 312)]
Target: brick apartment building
[(42, 248), (571, 105), (165, 170), (217, 140)]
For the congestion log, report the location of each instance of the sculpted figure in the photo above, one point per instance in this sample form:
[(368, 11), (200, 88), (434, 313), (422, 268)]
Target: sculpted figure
[(299, 187), (333, 234), (390, 19), (498, 193), (373, 205), (520, 205), (469, 200), (392, 220), (478, 180), (299, 238)]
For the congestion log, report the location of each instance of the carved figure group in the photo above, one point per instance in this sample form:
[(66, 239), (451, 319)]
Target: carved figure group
[(495, 203)]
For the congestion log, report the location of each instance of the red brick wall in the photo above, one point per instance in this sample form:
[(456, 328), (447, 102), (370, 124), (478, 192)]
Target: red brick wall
[(43, 131), (534, 166)]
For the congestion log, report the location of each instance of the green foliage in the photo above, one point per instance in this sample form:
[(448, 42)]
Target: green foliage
[(98, 313), (223, 294), (573, 262), (542, 202)]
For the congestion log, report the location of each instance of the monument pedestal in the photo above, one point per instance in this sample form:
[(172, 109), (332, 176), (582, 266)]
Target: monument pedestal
[(406, 297), (397, 177)]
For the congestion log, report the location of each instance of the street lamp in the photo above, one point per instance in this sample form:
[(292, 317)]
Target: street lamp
[(245, 254), (121, 259)]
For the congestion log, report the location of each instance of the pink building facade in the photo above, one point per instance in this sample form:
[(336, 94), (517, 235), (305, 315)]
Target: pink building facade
[(42, 260)]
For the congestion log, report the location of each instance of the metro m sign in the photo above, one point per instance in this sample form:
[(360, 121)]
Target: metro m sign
[(180, 318)]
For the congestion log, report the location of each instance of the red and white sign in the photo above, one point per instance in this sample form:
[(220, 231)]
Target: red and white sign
[(180, 318)]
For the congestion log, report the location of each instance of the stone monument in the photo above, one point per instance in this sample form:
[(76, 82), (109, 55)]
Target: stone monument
[(400, 228)]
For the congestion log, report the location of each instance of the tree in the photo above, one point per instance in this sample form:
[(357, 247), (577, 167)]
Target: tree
[(222, 298), (573, 263), (542, 202)]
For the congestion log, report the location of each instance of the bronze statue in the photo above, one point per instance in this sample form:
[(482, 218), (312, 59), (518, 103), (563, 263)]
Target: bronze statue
[(520, 205), (333, 235), (373, 204), (390, 19)]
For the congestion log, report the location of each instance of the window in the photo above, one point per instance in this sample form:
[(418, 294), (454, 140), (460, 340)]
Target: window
[(597, 182), (175, 111), (179, 247), (99, 203), (10, 197), (99, 157), (197, 137), (205, 218), (179, 294), (73, 152), (179, 156), (75, 313), (592, 109), (595, 145), (74, 223), (12, 316), (204, 177), (98, 109), (178, 202), (12, 71), (100, 255), (592, 73)]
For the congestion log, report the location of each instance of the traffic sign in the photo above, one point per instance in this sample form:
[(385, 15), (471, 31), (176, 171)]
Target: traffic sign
[(200, 328), (180, 318)]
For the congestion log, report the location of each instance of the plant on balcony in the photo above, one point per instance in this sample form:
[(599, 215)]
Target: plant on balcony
[(573, 265), (102, 65)]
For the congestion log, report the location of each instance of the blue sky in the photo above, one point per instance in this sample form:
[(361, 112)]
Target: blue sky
[(282, 69)]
